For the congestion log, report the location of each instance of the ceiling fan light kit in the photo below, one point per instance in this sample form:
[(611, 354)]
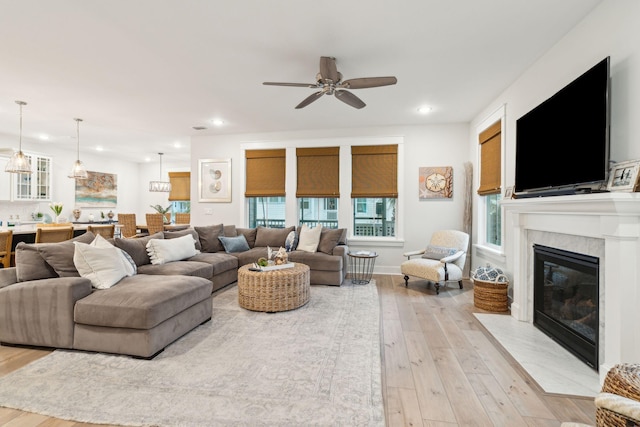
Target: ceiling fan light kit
[(329, 82)]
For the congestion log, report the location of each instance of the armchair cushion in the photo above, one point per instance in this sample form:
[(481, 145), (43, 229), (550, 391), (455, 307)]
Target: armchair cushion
[(438, 252)]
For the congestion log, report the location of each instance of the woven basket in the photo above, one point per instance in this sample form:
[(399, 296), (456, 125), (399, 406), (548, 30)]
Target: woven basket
[(623, 380), (491, 295), (272, 291)]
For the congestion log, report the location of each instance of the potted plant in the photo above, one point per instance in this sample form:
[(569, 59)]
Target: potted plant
[(163, 211)]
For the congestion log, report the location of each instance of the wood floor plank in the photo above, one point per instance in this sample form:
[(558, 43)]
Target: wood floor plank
[(566, 409), (403, 409), (396, 362), (495, 401), (464, 350), (470, 411), (432, 396)]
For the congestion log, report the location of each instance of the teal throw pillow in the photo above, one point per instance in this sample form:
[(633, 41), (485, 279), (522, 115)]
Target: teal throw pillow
[(234, 244)]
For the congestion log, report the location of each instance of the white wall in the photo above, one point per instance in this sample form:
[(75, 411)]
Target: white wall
[(610, 30), (439, 145)]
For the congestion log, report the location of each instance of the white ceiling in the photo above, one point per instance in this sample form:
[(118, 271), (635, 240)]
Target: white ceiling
[(142, 73)]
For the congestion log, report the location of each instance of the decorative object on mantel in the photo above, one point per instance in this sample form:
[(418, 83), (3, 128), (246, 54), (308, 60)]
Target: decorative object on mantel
[(76, 214), (99, 190), (160, 186), (78, 171), (18, 162), (435, 182), (623, 176)]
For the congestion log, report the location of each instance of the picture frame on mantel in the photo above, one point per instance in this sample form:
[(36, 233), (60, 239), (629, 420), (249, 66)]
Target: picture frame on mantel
[(214, 180), (624, 176)]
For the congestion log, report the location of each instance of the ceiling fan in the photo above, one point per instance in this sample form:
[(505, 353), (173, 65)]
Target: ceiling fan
[(329, 82)]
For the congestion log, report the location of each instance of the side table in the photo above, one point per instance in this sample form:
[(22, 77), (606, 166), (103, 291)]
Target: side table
[(361, 265)]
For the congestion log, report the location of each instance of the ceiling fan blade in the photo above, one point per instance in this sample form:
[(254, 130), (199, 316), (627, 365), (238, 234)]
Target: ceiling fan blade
[(289, 84), (309, 99), (366, 82), (349, 99), (328, 69)]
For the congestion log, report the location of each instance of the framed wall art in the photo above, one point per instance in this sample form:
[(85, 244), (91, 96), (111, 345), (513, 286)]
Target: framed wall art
[(214, 180), (435, 182), (99, 190), (624, 176)]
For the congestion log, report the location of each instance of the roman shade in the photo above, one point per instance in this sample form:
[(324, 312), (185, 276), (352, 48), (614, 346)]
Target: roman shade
[(490, 164), (265, 173), (318, 172), (374, 171), (180, 186)]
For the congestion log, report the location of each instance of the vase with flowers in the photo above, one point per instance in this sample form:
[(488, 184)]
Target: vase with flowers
[(57, 210)]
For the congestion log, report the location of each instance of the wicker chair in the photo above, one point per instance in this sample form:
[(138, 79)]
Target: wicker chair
[(128, 223), (53, 234), (155, 223), (618, 403), (435, 264), (6, 239), (183, 218), (105, 230)]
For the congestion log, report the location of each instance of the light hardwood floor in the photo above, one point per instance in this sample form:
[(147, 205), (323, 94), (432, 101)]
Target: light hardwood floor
[(440, 368)]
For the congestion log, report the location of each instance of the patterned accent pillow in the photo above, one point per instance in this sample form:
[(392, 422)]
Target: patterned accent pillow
[(438, 252), (291, 242)]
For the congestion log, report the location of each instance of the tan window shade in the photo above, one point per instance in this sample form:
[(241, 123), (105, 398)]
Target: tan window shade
[(180, 186), (490, 166), (374, 171), (318, 172), (265, 173)]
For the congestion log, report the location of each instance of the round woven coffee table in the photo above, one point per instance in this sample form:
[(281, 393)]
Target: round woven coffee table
[(275, 290)]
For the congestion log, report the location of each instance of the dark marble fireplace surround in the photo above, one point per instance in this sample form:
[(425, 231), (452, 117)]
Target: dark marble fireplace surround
[(605, 226)]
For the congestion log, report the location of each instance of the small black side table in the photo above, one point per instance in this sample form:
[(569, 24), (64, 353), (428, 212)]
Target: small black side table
[(361, 266)]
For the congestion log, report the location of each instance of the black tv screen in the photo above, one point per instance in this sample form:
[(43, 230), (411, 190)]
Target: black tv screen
[(563, 143)]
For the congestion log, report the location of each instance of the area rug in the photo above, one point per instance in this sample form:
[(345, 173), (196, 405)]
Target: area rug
[(316, 365)]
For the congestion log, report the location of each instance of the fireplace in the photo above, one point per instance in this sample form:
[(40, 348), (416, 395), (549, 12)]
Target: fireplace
[(566, 294)]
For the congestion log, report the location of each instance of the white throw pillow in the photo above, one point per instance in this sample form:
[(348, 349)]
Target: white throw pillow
[(103, 266), (162, 251), (309, 238), (129, 264)]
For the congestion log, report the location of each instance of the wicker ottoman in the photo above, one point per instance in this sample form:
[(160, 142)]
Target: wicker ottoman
[(271, 291)]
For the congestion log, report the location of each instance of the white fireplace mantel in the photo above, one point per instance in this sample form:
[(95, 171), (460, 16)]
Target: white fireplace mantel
[(613, 219)]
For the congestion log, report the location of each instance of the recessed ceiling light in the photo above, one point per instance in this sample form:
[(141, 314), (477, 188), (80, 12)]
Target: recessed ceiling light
[(199, 128), (177, 144), (147, 159), (99, 148), (217, 122), (44, 137), (424, 110)]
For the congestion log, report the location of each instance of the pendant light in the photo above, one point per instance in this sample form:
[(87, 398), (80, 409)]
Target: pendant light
[(78, 171), (160, 186), (19, 163)]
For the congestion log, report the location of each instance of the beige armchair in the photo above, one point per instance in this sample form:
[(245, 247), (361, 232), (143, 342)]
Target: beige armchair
[(442, 260)]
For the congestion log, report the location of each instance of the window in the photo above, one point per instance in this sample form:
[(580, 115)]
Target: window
[(267, 211), (265, 187), (374, 189), (490, 182), (314, 211)]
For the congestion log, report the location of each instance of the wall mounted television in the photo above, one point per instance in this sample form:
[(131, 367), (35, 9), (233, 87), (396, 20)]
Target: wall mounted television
[(562, 145)]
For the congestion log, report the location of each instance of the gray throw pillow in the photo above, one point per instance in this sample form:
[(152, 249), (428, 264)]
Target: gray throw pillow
[(60, 255), (329, 239), (273, 237), (249, 234), (208, 236), (30, 265), (180, 233), (438, 252), (137, 247), (234, 244)]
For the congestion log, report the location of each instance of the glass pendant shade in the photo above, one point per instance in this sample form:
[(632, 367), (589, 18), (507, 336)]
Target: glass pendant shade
[(78, 171), (160, 186), (19, 162)]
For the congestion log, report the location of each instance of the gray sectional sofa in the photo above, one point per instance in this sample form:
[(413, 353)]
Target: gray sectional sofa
[(45, 302)]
